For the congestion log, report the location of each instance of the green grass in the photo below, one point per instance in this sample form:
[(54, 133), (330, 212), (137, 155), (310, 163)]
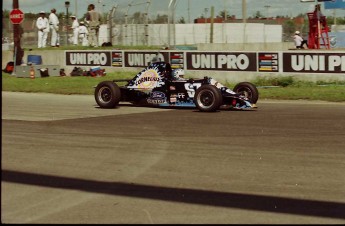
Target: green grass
[(290, 88), (333, 93), (59, 85), (284, 88)]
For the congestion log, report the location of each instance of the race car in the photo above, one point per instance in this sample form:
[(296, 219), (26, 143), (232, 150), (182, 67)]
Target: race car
[(158, 85)]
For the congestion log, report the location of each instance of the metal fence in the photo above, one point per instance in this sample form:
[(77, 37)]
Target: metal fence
[(134, 24), (29, 33)]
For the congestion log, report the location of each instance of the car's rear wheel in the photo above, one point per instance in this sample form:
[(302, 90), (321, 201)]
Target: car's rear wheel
[(249, 90), (208, 98), (107, 94)]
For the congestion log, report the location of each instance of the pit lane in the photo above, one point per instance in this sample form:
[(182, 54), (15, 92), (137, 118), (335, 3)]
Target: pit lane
[(66, 161)]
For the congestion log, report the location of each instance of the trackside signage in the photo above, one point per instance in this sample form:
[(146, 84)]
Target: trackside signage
[(88, 58), (303, 62), (314, 62), (221, 61), (143, 59)]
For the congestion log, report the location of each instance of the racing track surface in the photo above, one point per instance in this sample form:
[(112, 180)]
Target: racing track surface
[(66, 161)]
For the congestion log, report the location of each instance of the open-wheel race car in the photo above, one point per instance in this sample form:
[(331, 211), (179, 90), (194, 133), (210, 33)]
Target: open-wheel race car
[(159, 85)]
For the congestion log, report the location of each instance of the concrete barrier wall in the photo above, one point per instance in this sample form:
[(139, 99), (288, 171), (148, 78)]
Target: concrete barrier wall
[(232, 66), (191, 34)]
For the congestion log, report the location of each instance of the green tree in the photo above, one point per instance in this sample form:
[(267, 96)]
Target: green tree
[(181, 20), (160, 19), (223, 13), (258, 15), (289, 29)]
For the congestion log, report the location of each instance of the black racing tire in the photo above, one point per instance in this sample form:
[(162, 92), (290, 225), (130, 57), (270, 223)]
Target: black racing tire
[(249, 90), (208, 98), (107, 94)]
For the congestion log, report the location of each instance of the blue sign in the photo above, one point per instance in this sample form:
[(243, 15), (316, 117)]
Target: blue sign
[(336, 4), (337, 39)]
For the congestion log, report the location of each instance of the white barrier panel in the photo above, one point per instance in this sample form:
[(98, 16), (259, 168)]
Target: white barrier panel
[(331, 62)]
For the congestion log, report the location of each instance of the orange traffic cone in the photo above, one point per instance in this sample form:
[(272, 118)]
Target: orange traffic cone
[(32, 73)]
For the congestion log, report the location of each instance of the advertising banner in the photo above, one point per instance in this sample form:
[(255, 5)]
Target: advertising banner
[(88, 58), (337, 39), (143, 59), (116, 58), (268, 62), (221, 61), (291, 62), (314, 62)]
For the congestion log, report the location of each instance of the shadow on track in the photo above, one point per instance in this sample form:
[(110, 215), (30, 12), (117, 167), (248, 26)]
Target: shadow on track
[(192, 196)]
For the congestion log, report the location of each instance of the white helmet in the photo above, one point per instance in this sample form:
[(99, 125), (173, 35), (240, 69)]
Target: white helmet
[(177, 74), (297, 32)]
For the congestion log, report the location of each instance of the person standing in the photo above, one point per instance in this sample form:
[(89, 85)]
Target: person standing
[(75, 26), (93, 18), (42, 25), (54, 27), (83, 34)]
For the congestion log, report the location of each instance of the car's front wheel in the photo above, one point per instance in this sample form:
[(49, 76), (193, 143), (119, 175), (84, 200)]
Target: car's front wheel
[(249, 90), (208, 98), (107, 94)]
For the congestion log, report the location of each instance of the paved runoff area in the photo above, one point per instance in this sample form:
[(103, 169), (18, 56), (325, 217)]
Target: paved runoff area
[(64, 160)]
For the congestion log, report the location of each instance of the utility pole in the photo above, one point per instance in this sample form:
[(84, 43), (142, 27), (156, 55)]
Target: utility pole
[(225, 11), (267, 11), (171, 16), (67, 5), (76, 8), (244, 19), (244, 11), (17, 34), (211, 32), (206, 10), (189, 11)]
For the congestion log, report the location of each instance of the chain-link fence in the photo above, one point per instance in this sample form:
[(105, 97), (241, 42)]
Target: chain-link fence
[(29, 32), (134, 23)]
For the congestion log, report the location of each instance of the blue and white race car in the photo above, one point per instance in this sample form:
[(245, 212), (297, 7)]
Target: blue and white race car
[(159, 85)]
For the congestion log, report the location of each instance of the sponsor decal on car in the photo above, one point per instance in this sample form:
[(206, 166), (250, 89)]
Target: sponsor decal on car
[(157, 97), (147, 80)]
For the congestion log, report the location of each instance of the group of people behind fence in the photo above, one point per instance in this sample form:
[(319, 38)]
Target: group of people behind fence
[(84, 33), (80, 32)]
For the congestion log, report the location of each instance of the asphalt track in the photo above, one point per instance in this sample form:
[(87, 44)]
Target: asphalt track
[(66, 161)]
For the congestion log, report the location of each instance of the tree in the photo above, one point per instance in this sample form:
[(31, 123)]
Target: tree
[(223, 13), (289, 28), (258, 15), (138, 17), (181, 20), (161, 19)]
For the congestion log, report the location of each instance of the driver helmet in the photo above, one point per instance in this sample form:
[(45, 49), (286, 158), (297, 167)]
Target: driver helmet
[(177, 74)]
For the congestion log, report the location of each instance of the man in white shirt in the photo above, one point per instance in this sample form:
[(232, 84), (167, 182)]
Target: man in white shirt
[(75, 26), (299, 41), (54, 27), (83, 34), (42, 25)]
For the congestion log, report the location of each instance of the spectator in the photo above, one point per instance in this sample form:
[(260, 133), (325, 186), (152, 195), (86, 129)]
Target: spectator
[(317, 12), (93, 18), (299, 41), (320, 17), (83, 34), (54, 27), (75, 26), (42, 25)]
